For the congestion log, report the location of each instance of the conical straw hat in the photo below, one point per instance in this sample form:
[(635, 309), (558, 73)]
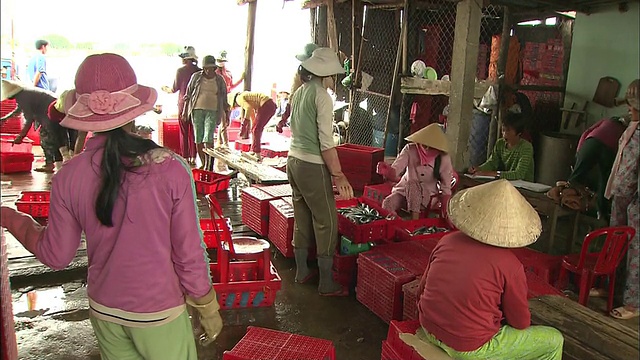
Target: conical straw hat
[(10, 88), (431, 136), (496, 214)]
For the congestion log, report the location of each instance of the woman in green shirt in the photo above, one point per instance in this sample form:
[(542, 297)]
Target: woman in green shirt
[(512, 156)]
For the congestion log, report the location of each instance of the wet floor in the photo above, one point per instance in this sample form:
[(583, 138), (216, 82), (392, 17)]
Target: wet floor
[(52, 321)]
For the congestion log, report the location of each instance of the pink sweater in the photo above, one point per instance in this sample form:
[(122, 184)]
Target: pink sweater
[(154, 253)]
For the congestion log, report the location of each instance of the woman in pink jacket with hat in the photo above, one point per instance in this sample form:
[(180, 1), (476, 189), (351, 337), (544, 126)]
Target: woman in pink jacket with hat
[(135, 203)]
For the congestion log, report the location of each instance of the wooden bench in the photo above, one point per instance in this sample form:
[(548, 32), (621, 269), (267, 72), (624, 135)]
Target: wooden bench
[(587, 334)]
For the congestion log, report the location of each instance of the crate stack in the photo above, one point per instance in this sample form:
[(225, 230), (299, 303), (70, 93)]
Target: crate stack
[(15, 158), (169, 134), (12, 125), (359, 164), (281, 225), (256, 208), (260, 343)]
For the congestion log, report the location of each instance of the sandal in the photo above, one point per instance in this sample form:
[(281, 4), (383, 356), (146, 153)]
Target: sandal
[(623, 314)]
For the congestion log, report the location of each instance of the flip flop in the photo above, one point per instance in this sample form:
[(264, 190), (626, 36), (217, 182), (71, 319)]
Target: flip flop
[(623, 314)]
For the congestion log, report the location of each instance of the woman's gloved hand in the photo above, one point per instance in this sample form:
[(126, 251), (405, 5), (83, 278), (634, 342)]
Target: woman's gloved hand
[(210, 318)]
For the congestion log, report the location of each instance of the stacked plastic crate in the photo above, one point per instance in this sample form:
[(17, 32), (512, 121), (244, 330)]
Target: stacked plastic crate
[(281, 225), (359, 164), (255, 209), (15, 158), (260, 344), (169, 134)]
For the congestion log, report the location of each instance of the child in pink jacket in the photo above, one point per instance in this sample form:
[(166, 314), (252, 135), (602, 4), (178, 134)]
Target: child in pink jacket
[(135, 203), (426, 169)]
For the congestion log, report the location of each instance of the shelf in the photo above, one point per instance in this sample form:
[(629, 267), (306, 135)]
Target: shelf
[(419, 86)]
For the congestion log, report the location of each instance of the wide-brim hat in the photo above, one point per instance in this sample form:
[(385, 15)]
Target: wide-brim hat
[(323, 62), (106, 95), (189, 53), (496, 214), (307, 51), (431, 136), (10, 88)]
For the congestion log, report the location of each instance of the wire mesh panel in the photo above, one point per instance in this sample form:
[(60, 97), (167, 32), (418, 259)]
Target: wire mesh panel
[(371, 100)]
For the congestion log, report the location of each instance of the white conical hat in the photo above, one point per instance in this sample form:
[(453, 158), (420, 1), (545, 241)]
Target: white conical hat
[(431, 136), (496, 214), (10, 88)]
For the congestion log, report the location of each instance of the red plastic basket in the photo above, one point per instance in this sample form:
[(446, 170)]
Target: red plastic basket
[(11, 163), (6, 145), (281, 226), (538, 286), (413, 255), (544, 265), (345, 269), (247, 294), (255, 209), (34, 203), (359, 164), (208, 231), (410, 300), (208, 182), (379, 230), (238, 271), (263, 344), (169, 134), (403, 229), (379, 286), (377, 192), (388, 353), (406, 352)]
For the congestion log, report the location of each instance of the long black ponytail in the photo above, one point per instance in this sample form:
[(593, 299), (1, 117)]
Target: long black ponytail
[(119, 145)]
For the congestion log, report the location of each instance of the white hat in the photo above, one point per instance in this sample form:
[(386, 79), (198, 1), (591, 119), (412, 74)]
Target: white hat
[(10, 88), (496, 214), (323, 62)]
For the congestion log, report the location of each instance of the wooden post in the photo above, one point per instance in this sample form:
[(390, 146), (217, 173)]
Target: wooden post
[(394, 84), (503, 57), (248, 50), (331, 26), (312, 20), (463, 73), (357, 10), (321, 31), (405, 38)]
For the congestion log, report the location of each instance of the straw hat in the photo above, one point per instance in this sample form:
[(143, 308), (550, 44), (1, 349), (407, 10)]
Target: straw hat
[(431, 136), (496, 214), (10, 88), (323, 62), (106, 96)]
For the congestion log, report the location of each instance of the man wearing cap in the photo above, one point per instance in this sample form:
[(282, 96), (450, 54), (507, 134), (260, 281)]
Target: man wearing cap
[(183, 75), (473, 294), (205, 104)]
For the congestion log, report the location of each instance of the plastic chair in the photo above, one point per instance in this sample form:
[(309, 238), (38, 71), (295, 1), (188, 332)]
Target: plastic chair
[(238, 248), (591, 265)]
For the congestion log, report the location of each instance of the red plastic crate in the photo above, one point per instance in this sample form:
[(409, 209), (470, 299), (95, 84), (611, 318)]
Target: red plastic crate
[(544, 265), (379, 230), (403, 229), (281, 226), (412, 255), (345, 269), (208, 182), (238, 271), (388, 353), (247, 294), (34, 203), (266, 344), (169, 134), (410, 300), (538, 286), (11, 163), (359, 164), (377, 192), (405, 351), (6, 145), (243, 145), (277, 190), (255, 209), (379, 285), (208, 231)]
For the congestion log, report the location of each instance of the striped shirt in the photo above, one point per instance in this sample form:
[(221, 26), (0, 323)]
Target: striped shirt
[(514, 164)]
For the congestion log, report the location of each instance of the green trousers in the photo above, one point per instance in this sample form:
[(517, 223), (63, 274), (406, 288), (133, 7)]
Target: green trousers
[(171, 341), (532, 343), (314, 206)]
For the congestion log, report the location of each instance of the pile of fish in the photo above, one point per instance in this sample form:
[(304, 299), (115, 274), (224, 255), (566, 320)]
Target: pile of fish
[(426, 230), (360, 214)]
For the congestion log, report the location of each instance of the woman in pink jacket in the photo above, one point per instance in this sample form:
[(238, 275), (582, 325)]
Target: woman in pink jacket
[(426, 165), (135, 203)]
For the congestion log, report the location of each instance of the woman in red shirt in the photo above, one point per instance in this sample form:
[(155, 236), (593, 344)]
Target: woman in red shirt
[(473, 302)]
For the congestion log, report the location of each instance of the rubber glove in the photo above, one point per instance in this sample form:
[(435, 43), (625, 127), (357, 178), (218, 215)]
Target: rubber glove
[(210, 318), (22, 226)]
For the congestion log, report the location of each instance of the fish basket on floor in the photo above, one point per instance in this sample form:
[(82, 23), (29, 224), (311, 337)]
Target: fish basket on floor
[(34, 203), (421, 229), (12, 163), (208, 182), (248, 294), (265, 344), (362, 220)]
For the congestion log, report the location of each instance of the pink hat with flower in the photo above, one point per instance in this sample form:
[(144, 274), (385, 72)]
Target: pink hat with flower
[(106, 96)]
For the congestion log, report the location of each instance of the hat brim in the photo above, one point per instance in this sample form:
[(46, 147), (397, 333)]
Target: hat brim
[(302, 57), (186, 56), (323, 70), (107, 122)]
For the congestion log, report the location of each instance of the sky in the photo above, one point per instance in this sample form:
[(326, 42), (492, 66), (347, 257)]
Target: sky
[(208, 25)]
